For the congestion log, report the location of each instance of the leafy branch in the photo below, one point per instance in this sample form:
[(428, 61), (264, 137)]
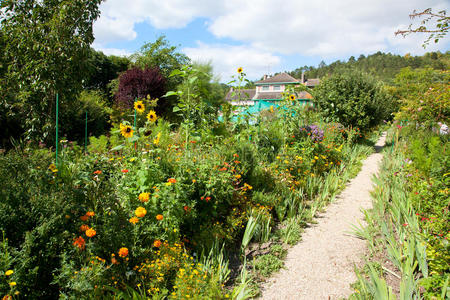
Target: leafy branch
[(437, 33)]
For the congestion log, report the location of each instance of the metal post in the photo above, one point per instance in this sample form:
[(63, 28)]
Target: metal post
[(85, 135), (57, 142)]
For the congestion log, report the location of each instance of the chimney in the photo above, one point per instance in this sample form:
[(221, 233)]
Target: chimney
[(303, 77), (265, 77)]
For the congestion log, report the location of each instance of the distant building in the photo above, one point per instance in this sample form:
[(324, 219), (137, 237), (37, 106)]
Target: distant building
[(270, 90)]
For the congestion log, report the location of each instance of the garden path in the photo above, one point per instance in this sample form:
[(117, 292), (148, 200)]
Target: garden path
[(321, 266)]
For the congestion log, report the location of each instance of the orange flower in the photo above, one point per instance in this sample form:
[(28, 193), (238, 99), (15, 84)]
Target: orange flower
[(84, 218), (157, 243), (90, 214), (79, 242), (124, 171), (159, 217), (134, 220), (91, 232), (207, 199), (144, 197), (123, 252), (140, 212), (172, 180), (114, 261), (98, 172), (7, 297), (84, 227)]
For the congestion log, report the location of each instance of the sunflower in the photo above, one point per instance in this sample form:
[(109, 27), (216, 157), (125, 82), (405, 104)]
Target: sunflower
[(239, 70), (139, 106), (292, 97), (151, 116), (156, 141), (126, 130)]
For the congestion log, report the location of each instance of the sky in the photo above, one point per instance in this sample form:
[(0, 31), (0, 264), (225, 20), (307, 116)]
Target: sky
[(265, 36)]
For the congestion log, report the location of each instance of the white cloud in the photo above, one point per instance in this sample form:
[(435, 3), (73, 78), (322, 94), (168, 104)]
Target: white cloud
[(322, 27), (226, 59), (329, 29), (111, 51), (118, 17)]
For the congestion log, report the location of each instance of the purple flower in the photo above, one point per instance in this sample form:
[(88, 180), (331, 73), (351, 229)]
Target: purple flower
[(315, 133)]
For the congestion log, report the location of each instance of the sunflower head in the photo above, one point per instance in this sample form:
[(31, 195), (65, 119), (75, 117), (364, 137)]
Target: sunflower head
[(239, 70), (126, 130), (151, 116), (139, 106), (292, 97)]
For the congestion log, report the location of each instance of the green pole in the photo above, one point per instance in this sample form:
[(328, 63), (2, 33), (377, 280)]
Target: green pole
[(135, 129), (135, 99), (57, 111), (85, 136)]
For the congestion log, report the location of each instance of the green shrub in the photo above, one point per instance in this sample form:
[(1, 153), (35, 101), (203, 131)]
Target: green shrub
[(354, 99)]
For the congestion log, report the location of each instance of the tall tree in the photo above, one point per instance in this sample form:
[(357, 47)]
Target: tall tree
[(46, 46)]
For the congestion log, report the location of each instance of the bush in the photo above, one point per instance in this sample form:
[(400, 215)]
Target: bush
[(354, 99)]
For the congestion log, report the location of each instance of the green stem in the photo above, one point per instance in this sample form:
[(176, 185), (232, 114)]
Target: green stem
[(85, 135)]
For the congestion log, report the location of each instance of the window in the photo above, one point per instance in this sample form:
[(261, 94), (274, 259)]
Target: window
[(276, 87), (265, 87)]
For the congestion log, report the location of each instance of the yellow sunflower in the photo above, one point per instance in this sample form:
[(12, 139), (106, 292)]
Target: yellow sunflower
[(139, 106), (151, 116), (126, 130), (156, 141), (239, 70), (292, 97)]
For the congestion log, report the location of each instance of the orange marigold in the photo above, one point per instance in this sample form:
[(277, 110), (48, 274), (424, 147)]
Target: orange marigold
[(123, 252), (140, 212), (159, 217), (91, 232), (79, 242), (157, 243), (144, 197), (172, 180), (84, 227), (84, 218), (134, 220), (90, 214)]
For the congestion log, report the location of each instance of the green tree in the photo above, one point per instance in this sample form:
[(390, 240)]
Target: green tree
[(46, 48), (354, 99)]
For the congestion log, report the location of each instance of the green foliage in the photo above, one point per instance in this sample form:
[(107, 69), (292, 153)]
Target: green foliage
[(45, 49), (267, 264), (354, 99), (383, 66)]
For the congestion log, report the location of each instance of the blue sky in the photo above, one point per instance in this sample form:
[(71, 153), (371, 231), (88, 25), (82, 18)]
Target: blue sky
[(263, 36)]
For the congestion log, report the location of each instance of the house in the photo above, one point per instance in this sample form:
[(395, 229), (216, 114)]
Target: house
[(270, 90)]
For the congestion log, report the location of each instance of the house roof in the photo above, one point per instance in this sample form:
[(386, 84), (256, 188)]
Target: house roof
[(312, 82), (245, 94), (279, 78), (269, 95), (279, 95)]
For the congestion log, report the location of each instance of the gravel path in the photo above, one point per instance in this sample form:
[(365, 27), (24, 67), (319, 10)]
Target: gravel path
[(321, 266)]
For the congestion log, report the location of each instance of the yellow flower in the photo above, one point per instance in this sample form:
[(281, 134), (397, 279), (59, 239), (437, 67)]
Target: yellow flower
[(140, 212), (239, 70), (292, 97), (91, 232), (139, 106), (144, 197), (53, 168), (9, 272), (151, 116), (126, 130), (271, 109), (134, 220), (156, 141), (12, 283)]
